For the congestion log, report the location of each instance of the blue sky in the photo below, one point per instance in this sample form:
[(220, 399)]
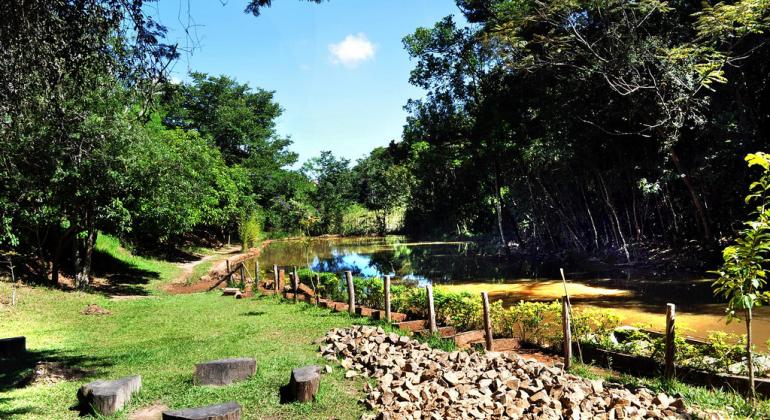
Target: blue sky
[(338, 68)]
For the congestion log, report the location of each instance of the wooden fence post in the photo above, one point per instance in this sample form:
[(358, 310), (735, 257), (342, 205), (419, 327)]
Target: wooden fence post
[(670, 343), (387, 298), (316, 283), (431, 310), (351, 293), (256, 272), (487, 322), (229, 274), (567, 332), (275, 277), (243, 274)]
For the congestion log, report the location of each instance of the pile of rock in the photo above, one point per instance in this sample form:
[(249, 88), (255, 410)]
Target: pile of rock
[(415, 381)]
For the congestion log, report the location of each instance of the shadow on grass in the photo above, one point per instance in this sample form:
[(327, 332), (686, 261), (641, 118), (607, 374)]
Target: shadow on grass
[(253, 313), (13, 412), (122, 278), (44, 367), (47, 366)]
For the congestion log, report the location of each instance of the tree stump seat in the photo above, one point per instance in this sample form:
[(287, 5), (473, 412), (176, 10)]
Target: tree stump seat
[(13, 347), (224, 371), (108, 397), (226, 411), (304, 383)]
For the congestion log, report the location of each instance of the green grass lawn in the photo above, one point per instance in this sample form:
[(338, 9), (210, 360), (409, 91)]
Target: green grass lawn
[(161, 338)]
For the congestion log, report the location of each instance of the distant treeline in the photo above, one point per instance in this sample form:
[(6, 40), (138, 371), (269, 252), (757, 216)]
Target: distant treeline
[(95, 138), (584, 125)]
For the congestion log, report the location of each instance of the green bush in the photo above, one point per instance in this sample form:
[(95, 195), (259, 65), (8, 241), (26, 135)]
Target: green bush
[(330, 285), (461, 310), (250, 230)]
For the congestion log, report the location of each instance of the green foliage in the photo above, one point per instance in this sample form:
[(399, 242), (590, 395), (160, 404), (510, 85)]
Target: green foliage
[(357, 220), (250, 230), (330, 285), (333, 179), (546, 108), (178, 182), (382, 186), (742, 277)]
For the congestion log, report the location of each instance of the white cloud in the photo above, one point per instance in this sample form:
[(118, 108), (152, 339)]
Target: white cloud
[(352, 50)]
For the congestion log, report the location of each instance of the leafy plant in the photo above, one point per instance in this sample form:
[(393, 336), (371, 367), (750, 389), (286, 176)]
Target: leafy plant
[(742, 276)]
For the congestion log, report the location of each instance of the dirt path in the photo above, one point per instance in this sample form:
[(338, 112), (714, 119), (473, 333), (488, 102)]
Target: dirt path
[(188, 267), (181, 283)]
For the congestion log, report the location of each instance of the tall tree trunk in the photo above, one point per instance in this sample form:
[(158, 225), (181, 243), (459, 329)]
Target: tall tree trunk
[(696, 201), (56, 262), (593, 223), (615, 215), (83, 275), (749, 355), (499, 208), (667, 200)]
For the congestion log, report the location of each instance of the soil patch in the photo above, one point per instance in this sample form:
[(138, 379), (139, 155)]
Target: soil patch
[(53, 372), (153, 412), (93, 309)]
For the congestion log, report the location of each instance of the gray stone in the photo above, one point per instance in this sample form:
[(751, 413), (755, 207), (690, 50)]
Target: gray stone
[(225, 371), (108, 397), (227, 411), (13, 347)]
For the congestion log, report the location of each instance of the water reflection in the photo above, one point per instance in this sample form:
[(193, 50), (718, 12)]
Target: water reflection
[(637, 294)]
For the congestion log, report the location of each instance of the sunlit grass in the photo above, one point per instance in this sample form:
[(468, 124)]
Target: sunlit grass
[(162, 338), (157, 270)]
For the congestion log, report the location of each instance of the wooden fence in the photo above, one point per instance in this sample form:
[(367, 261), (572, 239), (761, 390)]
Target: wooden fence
[(620, 361)]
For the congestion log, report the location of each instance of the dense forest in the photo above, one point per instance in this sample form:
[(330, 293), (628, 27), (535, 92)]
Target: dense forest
[(592, 126)]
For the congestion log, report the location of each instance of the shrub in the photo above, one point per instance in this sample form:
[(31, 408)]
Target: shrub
[(250, 230), (461, 310), (595, 326), (330, 285)]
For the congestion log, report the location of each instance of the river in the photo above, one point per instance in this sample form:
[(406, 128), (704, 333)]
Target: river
[(637, 296)]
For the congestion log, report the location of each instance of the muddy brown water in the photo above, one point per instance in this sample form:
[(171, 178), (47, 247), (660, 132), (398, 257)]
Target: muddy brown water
[(637, 296)]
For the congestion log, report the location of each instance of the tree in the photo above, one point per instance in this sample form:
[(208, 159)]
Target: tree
[(742, 278), (69, 69), (600, 127), (177, 181), (382, 185), (333, 188)]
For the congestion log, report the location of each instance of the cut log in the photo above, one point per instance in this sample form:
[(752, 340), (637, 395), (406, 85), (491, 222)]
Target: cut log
[(238, 295), (304, 288), (227, 411), (397, 317), (305, 382), (444, 332), (230, 291), (464, 339), (363, 311), (108, 397), (416, 325), (13, 347), (225, 371)]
